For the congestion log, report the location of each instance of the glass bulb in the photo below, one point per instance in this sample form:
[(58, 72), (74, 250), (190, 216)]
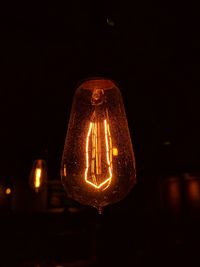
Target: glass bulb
[(98, 164), (38, 175)]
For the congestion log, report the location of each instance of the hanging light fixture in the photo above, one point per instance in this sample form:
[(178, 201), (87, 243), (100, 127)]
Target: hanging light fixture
[(98, 164)]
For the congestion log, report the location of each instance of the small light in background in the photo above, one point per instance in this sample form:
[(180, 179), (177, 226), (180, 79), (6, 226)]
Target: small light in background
[(194, 190), (8, 191), (38, 175), (37, 181), (110, 22)]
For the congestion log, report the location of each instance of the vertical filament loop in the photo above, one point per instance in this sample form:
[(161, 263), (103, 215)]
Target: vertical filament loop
[(94, 130)]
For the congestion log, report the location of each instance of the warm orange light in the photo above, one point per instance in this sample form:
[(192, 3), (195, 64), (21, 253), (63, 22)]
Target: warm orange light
[(38, 175), (193, 190), (92, 169), (8, 191), (37, 181), (115, 151), (96, 157), (65, 170)]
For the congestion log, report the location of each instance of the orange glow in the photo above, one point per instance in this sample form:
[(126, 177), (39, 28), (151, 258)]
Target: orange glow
[(8, 191), (98, 163), (37, 180), (194, 190), (96, 155), (115, 152), (38, 175), (65, 170)]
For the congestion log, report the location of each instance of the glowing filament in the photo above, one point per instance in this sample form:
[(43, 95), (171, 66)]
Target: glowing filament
[(37, 180), (95, 131)]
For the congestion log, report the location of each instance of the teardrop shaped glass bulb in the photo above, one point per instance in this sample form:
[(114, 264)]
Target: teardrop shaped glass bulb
[(98, 164), (38, 175)]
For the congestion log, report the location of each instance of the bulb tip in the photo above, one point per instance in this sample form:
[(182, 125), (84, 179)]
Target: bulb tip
[(100, 210)]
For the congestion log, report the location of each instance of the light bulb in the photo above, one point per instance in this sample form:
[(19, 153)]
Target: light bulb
[(98, 164), (38, 175), (8, 191)]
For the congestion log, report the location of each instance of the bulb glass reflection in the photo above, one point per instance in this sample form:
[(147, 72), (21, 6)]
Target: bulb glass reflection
[(38, 175), (98, 164)]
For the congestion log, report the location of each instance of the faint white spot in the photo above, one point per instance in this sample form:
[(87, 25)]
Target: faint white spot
[(110, 22), (167, 143)]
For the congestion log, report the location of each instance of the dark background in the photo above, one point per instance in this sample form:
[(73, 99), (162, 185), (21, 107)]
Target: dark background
[(150, 49)]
